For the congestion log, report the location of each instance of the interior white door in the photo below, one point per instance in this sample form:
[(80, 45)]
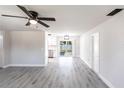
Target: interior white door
[(95, 52)]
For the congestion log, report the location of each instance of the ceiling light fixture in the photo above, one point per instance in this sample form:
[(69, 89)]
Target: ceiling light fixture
[(66, 37), (33, 21)]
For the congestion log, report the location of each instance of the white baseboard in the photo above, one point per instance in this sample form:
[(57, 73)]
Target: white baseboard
[(5, 66), (24, 65), (108, 83), (86, 63)]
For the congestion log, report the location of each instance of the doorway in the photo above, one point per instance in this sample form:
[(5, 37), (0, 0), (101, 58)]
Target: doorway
[(52, 47), (95, 52), (65, 48)]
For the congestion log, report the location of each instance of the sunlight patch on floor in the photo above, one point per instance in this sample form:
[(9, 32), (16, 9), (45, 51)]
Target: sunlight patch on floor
[(65, 61)]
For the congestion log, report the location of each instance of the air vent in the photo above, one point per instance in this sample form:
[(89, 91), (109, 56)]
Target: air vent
[(114, 12)]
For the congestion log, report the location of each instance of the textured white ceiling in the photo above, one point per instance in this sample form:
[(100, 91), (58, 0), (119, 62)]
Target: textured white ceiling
[(69, 19)]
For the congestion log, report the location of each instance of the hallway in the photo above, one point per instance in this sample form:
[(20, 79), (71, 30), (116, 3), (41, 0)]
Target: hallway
[(65, 72)]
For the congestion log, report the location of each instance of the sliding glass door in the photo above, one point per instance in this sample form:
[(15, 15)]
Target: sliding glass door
[(65, 48)]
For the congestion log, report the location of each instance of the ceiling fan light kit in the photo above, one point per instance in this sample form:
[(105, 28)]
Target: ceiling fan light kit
[(33, 17), (33, 21)]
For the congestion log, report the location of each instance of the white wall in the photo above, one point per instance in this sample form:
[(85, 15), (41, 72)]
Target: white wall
[(111, 49), (23, 48), (27, 48)]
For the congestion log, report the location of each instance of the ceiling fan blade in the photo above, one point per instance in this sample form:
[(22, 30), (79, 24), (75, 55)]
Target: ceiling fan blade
[(27, 24), (47, 18), (14, 16), (25, 11), (42, 23)]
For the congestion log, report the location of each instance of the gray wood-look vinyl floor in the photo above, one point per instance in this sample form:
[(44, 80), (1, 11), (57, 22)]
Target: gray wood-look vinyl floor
[(63, 73)]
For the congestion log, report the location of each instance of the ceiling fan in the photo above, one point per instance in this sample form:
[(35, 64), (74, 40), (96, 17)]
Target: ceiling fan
[(33, 17)]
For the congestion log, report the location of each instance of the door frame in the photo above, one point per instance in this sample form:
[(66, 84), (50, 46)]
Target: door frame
[(95, 56)]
